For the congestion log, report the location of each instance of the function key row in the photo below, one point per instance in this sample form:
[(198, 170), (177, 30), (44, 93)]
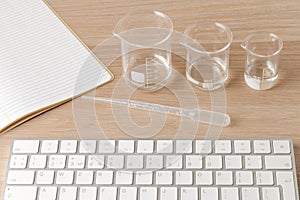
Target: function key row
[(153, 146)]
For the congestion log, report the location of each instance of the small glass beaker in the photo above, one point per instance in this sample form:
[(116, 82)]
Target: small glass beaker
[(208, 46), (263, 50), (146, 49)]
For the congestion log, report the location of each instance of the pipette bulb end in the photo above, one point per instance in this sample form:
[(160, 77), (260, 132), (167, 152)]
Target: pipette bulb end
[(227, 120)]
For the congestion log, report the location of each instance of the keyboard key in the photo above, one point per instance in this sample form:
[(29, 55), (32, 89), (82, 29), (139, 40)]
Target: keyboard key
[(104, 177), (250, 193), (203, 146), (108, 193), (145, 146), (286, 180), (26, 146), (242, 146), (64, 177), (128, 193), (107, 146), (154, 162), (210, 193), (223, 146), (262, 146), (76, 162), (95, 162), (57, 161), (270, 193), (88, 193), (264, 178), (278, 162), (84, 177), (115, 161), (124, 177), (244, 177), (168, 193), (47, 193), (224, 178), (87, 146), (184, 146), (164, 146), (18, 161), (45, 177), (37, 161), (189, 193), (174, 162), (68, 193), (144, 178), (135, 162), (49, 146), (16, 177), (148, 193), (164, 177), (193, 162), (213, 162), (126, 146), (233, 162), (204, 178), (253, 162), (230, 193), (184, 177), (20, 193), (68, 146), (281, 146)]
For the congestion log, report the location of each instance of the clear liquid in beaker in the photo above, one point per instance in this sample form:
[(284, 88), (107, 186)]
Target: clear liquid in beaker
[(261, 75), (149, 72), (207, 76)]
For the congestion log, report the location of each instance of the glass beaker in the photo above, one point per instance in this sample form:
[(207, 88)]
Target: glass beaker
[(208, 46), (263, 50), (146, 49)]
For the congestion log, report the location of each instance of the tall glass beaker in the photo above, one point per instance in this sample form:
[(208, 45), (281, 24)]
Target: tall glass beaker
[(146, 49), (208, 46)]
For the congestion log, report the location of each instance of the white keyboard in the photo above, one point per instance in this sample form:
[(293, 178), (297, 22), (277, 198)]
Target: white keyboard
[(151, 170)]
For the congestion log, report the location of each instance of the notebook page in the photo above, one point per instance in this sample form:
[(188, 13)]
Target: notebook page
[(40, 60)]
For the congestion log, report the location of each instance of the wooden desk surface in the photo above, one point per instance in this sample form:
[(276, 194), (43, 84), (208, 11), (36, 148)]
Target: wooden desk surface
[(255, 114)]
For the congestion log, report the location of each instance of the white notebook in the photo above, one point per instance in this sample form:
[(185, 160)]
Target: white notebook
[(40, 61)]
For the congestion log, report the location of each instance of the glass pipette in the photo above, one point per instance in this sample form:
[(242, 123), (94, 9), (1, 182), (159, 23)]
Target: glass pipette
[(200, 115)]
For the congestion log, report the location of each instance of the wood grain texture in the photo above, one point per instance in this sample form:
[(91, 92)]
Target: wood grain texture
[(255, 114)]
